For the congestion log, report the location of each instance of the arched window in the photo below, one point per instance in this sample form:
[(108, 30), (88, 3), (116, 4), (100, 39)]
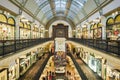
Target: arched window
[(113, 27), (11, 21), (3, 18), (117, 26), (99, 30), (117, 19), (11, 28), (110, 21)]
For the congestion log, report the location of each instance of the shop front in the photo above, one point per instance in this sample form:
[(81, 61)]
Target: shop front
[(33, 56), (79, 32), (113, 28), (3, 74), (99, 66), (24, 63), (36, 32), (7, 26), (84, 33), (92, 62), (40, 51), (96, 31), (112, 74), (99, 30), (25, 30), (95, 64), (85, 57), (13, 71)]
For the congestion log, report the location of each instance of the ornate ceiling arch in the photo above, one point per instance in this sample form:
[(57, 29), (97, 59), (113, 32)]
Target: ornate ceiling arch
[(60, 18)]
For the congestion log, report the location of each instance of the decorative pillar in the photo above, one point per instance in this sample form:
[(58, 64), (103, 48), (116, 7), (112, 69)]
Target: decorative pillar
[(39, 32), (31, 31), (103, 21), (46, 34), (43, 33), (17, 29), (89, 34)]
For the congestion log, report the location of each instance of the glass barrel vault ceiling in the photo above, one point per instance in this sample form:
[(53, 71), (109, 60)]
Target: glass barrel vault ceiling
[(44, 10), (66, 8)]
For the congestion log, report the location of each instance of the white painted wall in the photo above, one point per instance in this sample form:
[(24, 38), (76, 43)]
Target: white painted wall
[(7, 4), (114, 4)]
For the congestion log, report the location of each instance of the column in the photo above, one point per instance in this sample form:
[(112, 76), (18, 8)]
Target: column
[(46, 34), (89, 34), (17, 29), (31, 31), (103, 21)]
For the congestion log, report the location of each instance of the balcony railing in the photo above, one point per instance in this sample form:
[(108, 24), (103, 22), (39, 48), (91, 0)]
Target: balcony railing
[(111, 46), (9, 46)]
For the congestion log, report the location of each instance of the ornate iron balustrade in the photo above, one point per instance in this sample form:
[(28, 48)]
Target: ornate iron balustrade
[(9, 46), (111, 46)]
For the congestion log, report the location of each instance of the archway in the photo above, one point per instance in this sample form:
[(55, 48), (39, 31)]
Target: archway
[(60, 22)]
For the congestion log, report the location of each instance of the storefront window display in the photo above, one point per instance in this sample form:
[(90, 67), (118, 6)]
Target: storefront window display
[(99, 66), (13, 70), (33, 56), (92, 62), (3, 22), (3, 74), (6, 27), (91, 31), (41, 32), (96, 31), (85, 33), (79, 33), (117, 28), (24, 30), (95, 64), (99, 30), (112, 74), (25, 63), (113, 28), (36, 31), (40, 52)]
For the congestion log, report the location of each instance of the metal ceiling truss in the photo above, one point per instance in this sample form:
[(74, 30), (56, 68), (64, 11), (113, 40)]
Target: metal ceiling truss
[(52, 5), (24, 2), (45, 15), (67, 7), (95, 10), (26, 10), (39, 8)]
